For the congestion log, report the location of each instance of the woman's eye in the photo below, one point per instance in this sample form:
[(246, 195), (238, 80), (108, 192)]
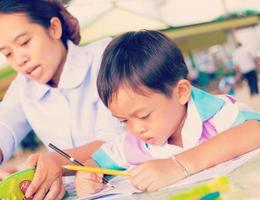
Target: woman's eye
[(8, 55), (25, 43), (123, 121)]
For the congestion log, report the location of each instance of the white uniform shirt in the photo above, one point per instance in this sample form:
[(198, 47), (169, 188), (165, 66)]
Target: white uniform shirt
[(70, 115), (243, 58)]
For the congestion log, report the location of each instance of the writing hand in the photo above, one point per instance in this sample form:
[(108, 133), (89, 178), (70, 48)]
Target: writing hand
[(155, 174), (88, 183)]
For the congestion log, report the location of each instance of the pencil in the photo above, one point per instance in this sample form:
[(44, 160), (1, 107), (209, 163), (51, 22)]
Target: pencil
[(73, 160), (65, 155), (96, 170)]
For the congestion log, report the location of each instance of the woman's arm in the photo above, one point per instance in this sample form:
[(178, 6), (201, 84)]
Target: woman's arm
[(1, 155), (225, 146), (13, 122)]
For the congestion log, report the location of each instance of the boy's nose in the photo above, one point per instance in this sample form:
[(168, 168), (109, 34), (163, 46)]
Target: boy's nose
[(137, 129)]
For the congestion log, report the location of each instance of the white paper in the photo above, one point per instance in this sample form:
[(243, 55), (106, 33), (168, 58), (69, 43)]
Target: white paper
[(122, 187)]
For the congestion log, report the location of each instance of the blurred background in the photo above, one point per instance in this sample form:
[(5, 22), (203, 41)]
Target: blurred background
[(206, 31)]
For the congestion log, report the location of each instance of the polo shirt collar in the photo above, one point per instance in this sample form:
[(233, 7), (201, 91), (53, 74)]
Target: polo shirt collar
[(201, 107)]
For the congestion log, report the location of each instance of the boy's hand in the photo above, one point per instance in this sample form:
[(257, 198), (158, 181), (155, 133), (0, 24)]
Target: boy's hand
[(88, 183), (47, 182), (155, 174)]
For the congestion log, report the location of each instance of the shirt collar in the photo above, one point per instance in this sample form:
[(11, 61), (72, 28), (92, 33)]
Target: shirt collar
[(33, 89), (190, 133), (207, 104), (74, 71), (192, 127), (201, 107), (75, 67)]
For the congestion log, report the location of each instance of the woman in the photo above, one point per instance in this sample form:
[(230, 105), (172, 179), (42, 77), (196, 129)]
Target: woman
[(55, 91)]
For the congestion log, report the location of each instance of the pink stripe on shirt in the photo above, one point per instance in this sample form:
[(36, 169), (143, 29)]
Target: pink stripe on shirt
[(135, 150)]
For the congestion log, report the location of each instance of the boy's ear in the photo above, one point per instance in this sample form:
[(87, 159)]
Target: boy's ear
[(183, 91), (55, 27)]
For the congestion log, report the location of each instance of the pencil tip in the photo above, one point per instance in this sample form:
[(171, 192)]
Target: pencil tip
[(110, 185)]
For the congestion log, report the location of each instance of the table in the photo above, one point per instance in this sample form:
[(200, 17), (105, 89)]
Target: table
[(245, 185)]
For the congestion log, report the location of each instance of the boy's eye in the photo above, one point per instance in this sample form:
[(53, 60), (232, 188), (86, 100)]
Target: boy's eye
[(123, 121), (145, 116)]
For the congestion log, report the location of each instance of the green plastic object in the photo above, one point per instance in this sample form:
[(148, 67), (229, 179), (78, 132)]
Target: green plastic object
[(220, 185), (10, 187)]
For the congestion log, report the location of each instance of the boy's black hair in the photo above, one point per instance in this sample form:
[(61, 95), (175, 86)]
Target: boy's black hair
[(38, 11), (137, 59)]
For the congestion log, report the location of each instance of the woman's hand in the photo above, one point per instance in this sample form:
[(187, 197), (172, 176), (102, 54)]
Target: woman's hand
[(6, 171), (47, 182), (3, 174), (155, 174)]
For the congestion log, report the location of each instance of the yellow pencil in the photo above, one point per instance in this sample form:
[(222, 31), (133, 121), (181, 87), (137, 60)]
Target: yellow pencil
[(96, 170)]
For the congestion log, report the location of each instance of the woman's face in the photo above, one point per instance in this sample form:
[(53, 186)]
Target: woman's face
[(32, 49)]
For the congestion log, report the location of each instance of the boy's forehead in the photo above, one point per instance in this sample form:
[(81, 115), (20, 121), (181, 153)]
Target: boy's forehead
[(127, 103), (127, 98), (128, 92)]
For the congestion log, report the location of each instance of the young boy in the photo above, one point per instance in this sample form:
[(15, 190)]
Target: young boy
[(175, 130)]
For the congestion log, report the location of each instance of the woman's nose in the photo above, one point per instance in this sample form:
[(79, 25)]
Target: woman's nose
[(21, 58)]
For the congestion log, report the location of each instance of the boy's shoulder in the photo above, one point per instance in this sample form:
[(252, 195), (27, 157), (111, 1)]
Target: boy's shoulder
[(206, 104)]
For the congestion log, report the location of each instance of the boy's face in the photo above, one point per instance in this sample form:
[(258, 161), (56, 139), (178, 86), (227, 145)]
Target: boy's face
[(30, 48), (154, 118)]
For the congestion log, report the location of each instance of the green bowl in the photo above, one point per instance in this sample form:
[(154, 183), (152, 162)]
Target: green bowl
[(10, 187)]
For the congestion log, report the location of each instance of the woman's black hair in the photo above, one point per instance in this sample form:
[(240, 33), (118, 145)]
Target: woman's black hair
[(143, 58), (41, 12)]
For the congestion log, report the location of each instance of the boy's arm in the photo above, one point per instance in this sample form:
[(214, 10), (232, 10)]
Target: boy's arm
[(111, 155), (227, 145)]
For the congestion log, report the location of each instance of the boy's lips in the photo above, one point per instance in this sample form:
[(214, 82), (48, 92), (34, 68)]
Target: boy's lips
[(149, 140)]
